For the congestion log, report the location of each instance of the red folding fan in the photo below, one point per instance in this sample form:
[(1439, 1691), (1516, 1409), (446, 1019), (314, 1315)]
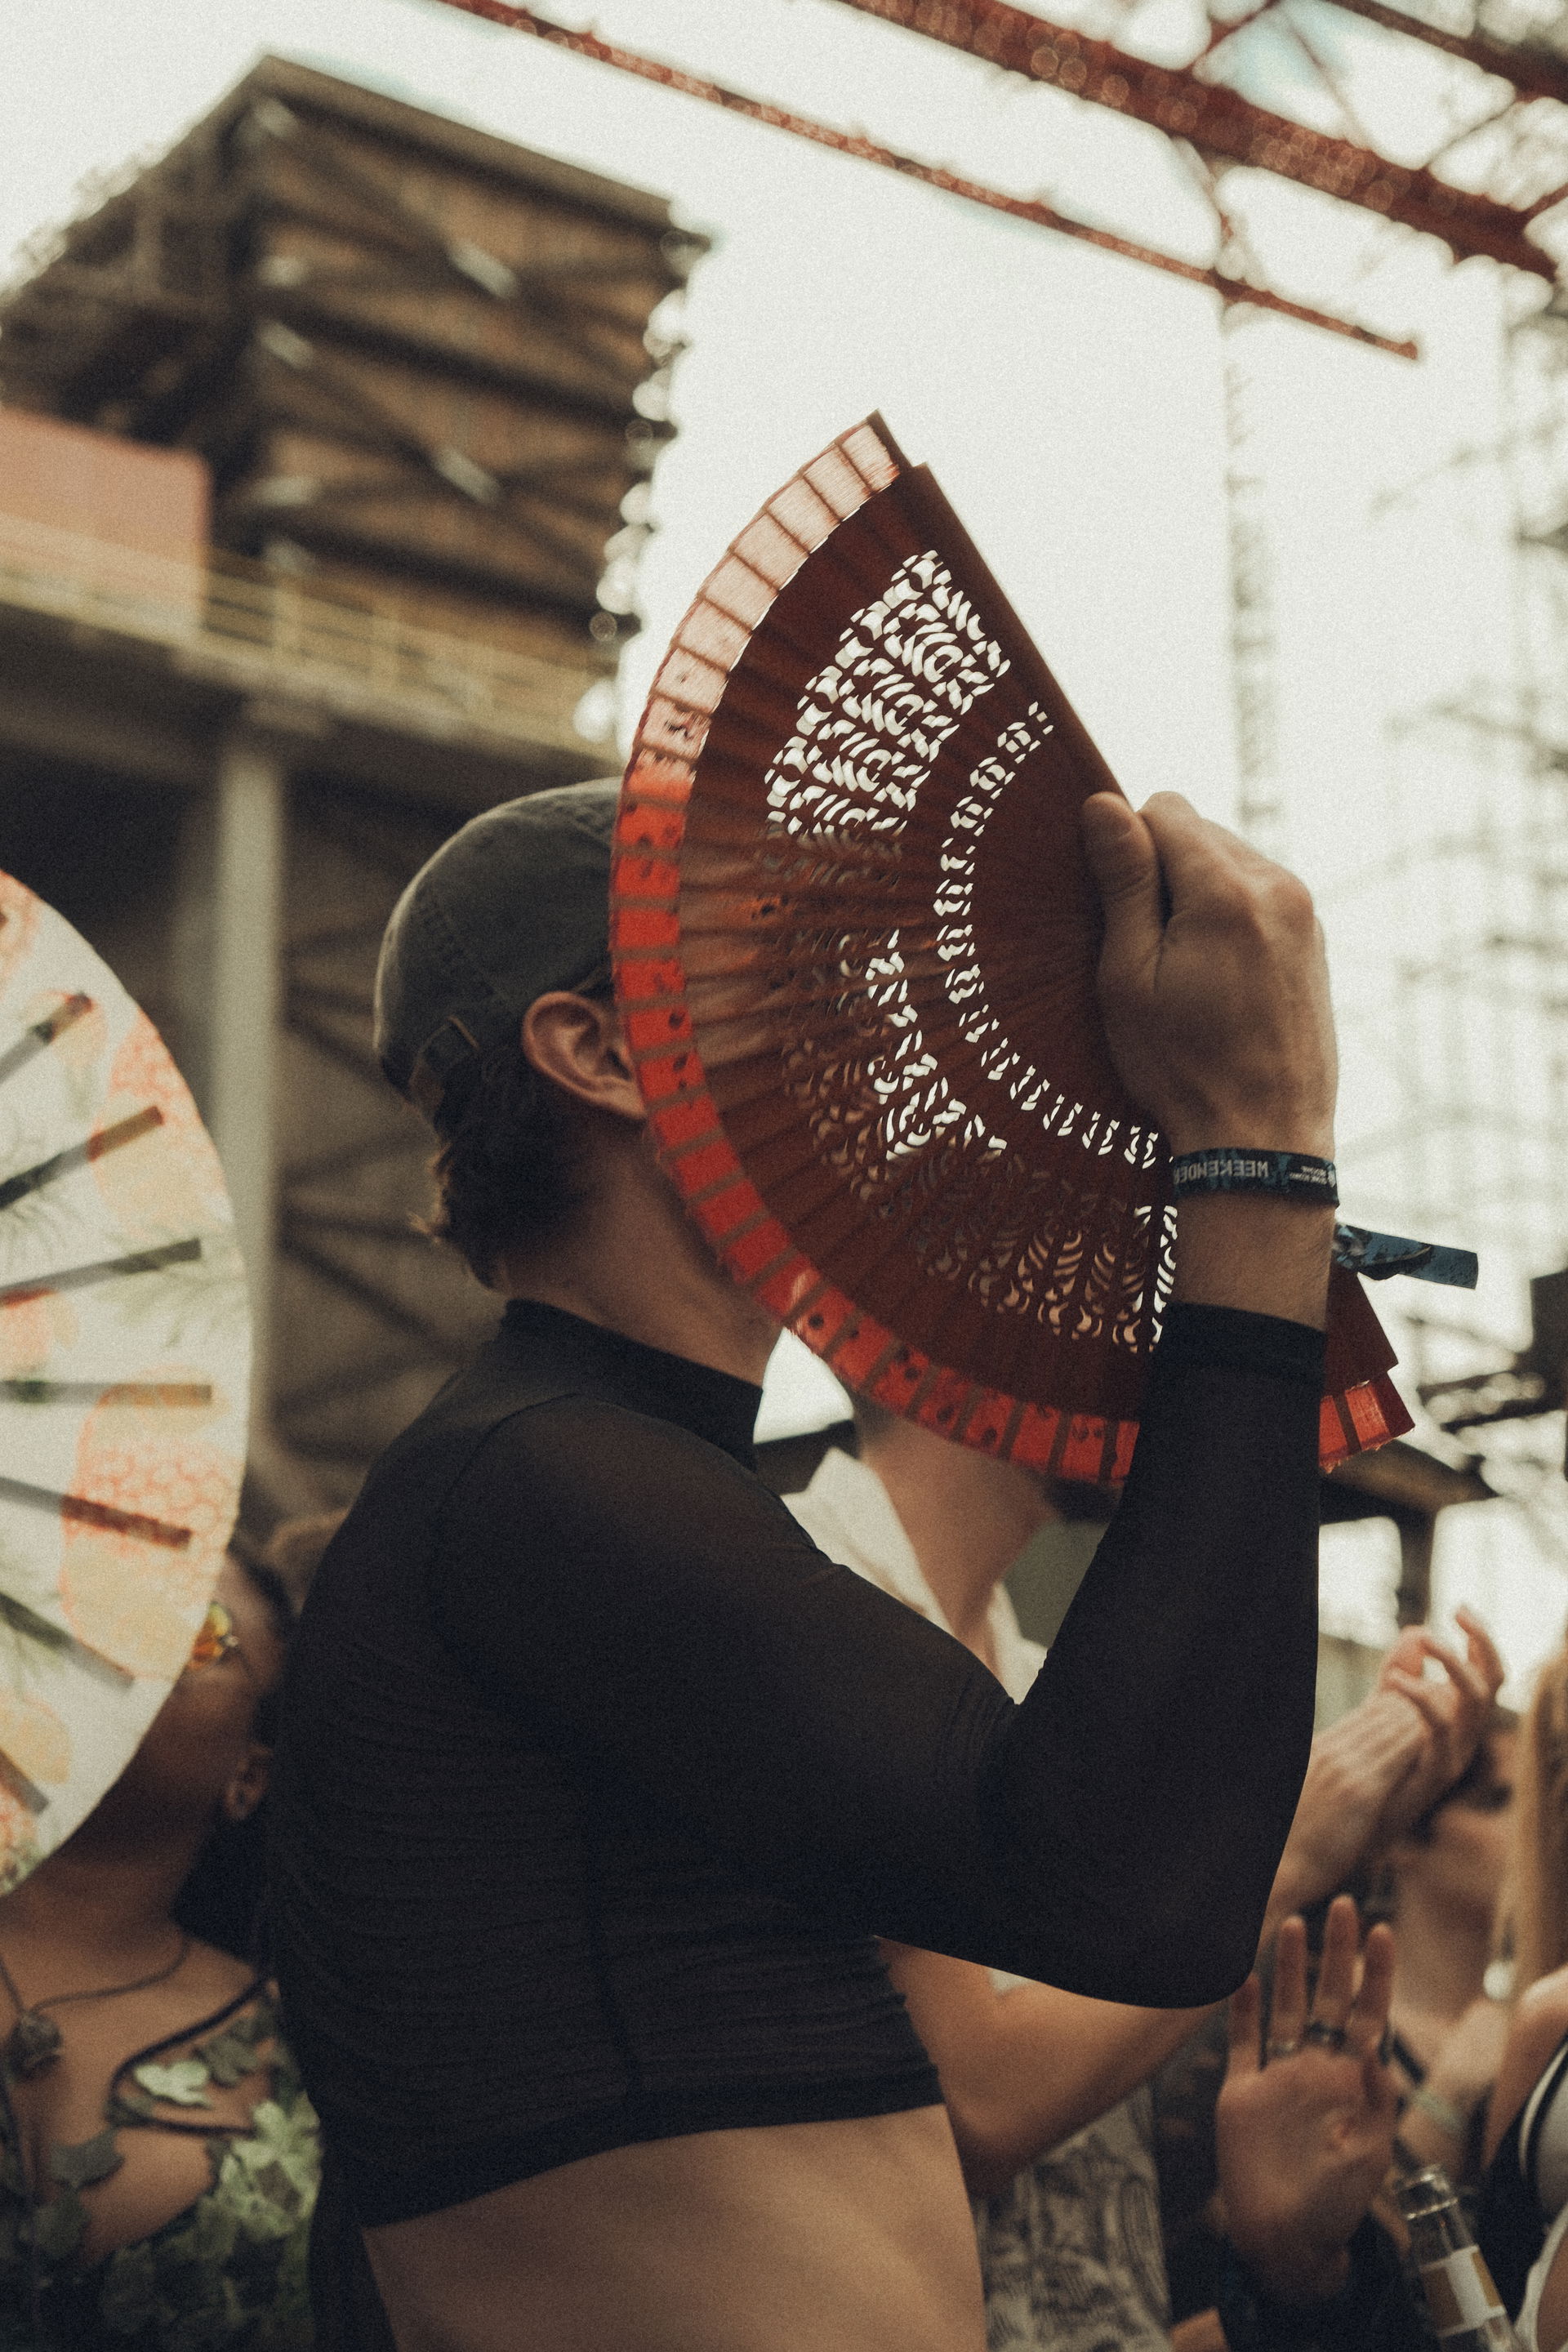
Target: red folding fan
[(855, 943)]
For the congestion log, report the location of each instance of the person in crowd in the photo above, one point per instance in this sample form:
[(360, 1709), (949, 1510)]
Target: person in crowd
[(1305, 2130), (1283, 2193), (158, 2161), (1537, 1896), (1447, 2020), (597, 1781), (1527, 2125), (1438, 1873), (1060, 2158)]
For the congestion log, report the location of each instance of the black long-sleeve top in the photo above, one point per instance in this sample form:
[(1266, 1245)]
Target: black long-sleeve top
[(597, 1781)]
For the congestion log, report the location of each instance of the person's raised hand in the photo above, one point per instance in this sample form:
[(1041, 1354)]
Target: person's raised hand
[(1214, 994), (1305, 2129), (1453, 1705), (1356, 1778), (1212, 983)]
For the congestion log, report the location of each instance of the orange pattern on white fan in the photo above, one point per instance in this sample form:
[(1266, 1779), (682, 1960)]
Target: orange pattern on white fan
[(18, 1834), (137, 1602), (31, 1328), (19, 924), (169, 1180), (34, 1738), (855, 944)]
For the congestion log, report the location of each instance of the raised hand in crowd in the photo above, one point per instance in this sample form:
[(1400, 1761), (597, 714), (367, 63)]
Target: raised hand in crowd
[(1381, 1766), (1455, 1705), (1306, 2121), (1022, 2069)]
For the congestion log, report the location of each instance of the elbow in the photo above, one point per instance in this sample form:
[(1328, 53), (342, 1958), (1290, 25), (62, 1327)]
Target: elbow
[(988, 2176), (992, 2147), (1201, 1973), (1178, 1973)]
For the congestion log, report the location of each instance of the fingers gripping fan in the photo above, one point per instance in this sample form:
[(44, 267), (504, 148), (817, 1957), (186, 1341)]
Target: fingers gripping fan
[(124, 1354), (855, 943)]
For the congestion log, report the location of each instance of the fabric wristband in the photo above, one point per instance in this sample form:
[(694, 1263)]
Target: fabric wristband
[(1289, 1175), (1444, 2113)]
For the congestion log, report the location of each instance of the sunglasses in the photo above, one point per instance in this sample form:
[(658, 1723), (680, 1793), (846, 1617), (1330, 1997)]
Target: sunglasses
[(215, 1641)]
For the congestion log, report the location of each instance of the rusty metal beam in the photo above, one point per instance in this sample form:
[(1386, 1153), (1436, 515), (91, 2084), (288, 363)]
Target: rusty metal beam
[(1534, 72), (1219, 121), (853, 143)]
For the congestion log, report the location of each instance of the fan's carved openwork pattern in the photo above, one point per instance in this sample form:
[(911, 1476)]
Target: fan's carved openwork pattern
[(854, 945)]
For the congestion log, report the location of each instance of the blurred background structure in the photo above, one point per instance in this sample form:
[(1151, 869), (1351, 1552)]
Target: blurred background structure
[(325, 460), (370, 576)]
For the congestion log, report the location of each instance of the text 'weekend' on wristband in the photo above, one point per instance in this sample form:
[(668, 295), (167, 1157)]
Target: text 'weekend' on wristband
[(1284, 1175)]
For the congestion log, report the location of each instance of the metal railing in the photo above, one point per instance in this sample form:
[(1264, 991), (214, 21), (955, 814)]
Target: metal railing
[(290, 632)]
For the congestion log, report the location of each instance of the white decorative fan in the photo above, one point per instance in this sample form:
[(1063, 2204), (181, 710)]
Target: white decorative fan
[(124, 1363)]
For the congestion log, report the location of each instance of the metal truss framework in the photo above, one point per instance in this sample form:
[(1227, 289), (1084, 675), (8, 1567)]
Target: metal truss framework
[(1483, 1124), (351, 1252), (1187, 105), (1231, 284), (1225, 126)]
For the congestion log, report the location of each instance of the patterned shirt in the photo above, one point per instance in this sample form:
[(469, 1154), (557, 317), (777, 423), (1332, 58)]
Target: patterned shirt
[(228, 2274)]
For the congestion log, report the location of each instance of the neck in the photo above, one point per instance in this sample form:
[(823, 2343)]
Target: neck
[(1441, 1955), (83, 1914), (967, 1518), (633, 1262)]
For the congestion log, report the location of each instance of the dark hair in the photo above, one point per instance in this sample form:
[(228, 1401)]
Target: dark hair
[(283, 1572), (508, 1172), (269, 1588)]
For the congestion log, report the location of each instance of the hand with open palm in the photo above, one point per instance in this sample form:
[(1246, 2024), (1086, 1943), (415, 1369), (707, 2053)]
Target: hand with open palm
[(1305, 2126)]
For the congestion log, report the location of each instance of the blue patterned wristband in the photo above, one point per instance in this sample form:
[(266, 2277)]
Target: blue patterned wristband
[(1289, 1175)]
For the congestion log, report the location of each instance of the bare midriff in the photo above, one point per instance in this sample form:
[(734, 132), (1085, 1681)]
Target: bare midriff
[(849, 2237)]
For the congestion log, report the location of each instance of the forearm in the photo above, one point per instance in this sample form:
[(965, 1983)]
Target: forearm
[(1023, 2070), (1246, 1249), (1158, 1761), (1357, 1768)]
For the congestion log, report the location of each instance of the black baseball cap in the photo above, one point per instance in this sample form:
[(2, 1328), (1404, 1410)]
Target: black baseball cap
[(514, 904)]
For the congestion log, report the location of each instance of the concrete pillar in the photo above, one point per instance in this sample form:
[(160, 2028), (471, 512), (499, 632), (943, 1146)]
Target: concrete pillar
[(1413, 1597), (249, 834)]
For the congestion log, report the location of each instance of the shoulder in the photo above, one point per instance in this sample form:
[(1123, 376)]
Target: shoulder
[(1540, 2018), (589, 1449), (211, 1978), (847, 1513), (1536, 2029), (585, 1479)]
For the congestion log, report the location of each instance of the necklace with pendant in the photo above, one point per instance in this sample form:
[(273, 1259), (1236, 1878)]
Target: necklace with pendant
[(33, 2042)]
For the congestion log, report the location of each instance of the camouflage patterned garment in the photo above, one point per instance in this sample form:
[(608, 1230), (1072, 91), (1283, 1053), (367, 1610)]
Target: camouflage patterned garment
[(1070, 2250), (225, 2275)]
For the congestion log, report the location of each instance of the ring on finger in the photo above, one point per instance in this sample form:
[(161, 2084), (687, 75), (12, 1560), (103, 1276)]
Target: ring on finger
[(1327, 2037), (1281, 2048)]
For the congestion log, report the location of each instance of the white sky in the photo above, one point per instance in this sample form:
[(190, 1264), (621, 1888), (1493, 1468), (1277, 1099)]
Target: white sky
[(1070, 404)]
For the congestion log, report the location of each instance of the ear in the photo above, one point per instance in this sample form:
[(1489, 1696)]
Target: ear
[(247, 1785), (577, 1043)]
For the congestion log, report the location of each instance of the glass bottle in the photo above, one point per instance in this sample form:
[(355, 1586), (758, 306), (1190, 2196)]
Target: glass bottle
[(1463, 2306)]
